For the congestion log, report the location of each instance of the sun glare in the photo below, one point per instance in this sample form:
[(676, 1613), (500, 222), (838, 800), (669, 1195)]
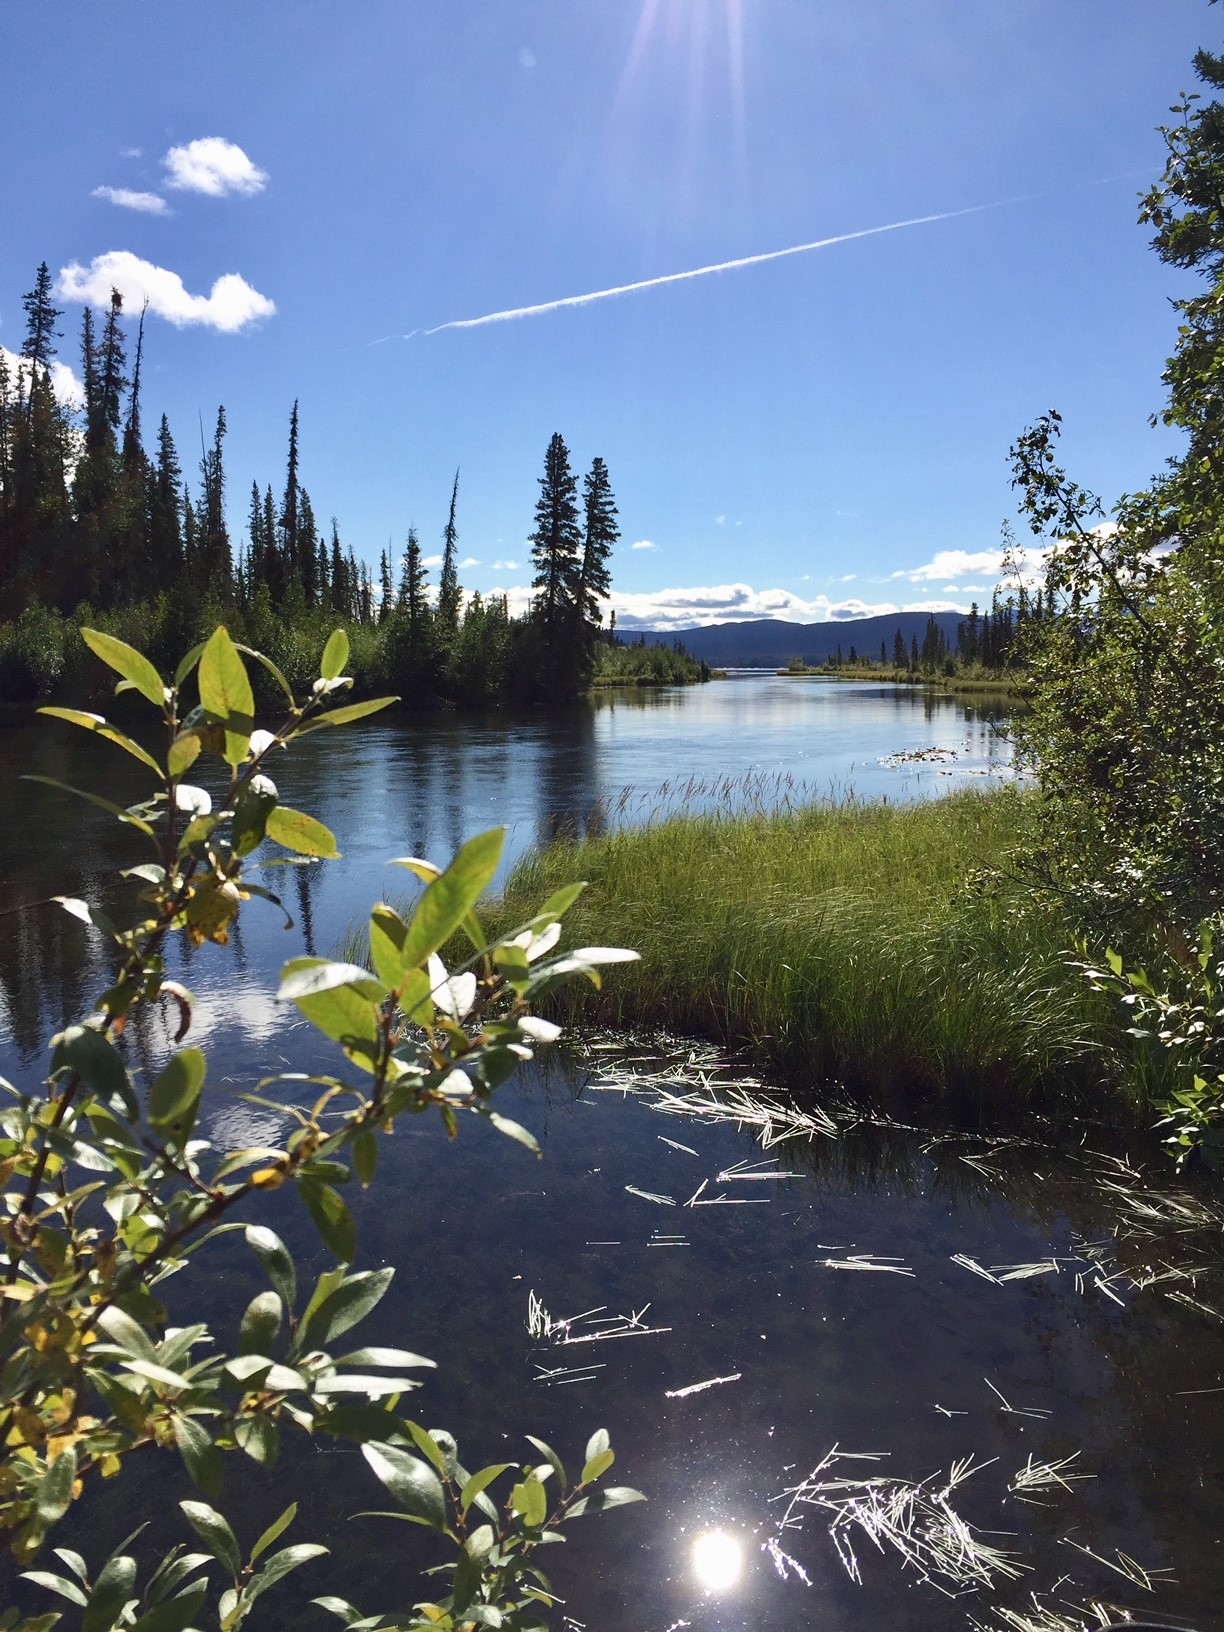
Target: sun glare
[(718, 1560)]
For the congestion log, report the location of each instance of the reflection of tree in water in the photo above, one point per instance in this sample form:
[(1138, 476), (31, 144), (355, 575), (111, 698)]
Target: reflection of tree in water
[(45, 959), (568, 805), (304, 879)]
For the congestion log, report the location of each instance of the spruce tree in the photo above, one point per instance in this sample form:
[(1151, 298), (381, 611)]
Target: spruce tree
[(339, 586), (449, 593), (557, 539), (289, 504), (600, 533), (216, 572), (307, 549), (386, 601)]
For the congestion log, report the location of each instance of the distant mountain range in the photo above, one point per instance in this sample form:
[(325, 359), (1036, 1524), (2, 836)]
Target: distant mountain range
[(770, 643)]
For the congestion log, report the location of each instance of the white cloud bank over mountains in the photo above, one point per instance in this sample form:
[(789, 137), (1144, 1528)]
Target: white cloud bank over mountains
[(677, 609), (213, 166), (230, 306)]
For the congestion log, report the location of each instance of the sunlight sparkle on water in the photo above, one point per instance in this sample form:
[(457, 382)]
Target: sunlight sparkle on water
[(717, 1560)]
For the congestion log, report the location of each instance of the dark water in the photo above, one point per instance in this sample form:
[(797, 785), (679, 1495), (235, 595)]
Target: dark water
[(1099, 1360)]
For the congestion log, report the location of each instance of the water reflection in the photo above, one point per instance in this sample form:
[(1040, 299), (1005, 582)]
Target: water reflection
[(717, 1561)]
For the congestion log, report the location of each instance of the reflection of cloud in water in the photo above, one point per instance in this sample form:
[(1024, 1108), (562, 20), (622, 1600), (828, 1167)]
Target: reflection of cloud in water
[(234, 1125), (254, 1014)]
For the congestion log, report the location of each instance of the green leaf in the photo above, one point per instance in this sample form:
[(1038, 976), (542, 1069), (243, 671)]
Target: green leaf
[(274, 1532), (255, 803), (128, 662), (281, 1563), (188, 663), (600, 1500), (335, 655), (277, 1261), (332, 1218), (53, 1493), (56, 1583), (598, 1443), (215, 1533), (386, 1357), (427, 1445), (201, 1456), (301, 833), (93, 1056), (93, 799), (597, 1466), (560, 901), (266, 663), (261, 1321), (344, 1308), (307, 977), (112, 1590), (225, 691), (103, 728), (469, 1567), (175, 1614), (515, 1130), (127, 1333), (413, 1483), (451, 896), (347, 714), (481, 1481), (257, 1436), (529, 1499), (348, 1018), (184, 751), (177, 1089), (551, 1457), (388, 932)]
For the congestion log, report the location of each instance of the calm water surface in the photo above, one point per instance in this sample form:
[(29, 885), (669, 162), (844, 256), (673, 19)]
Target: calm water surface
[(1094, 1357)]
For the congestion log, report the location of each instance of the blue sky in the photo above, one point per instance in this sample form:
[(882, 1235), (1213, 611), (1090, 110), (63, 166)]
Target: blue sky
[(820, 435)]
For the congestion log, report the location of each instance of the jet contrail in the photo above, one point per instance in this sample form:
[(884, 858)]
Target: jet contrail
[(705, 271)]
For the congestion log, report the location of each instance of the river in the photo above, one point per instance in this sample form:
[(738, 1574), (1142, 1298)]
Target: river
[(1041, 1304)]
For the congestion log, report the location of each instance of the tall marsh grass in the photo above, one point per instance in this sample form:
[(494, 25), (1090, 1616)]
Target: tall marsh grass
[(889, 946)]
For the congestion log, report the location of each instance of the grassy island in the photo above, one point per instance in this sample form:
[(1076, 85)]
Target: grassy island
[(890, 947)]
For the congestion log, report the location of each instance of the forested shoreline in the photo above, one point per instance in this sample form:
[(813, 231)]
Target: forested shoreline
[(97, 531)]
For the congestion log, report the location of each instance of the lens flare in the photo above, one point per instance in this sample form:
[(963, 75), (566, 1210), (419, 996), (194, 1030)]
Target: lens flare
[(718, 1560)]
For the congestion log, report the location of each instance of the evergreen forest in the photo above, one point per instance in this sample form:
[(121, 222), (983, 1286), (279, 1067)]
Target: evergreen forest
[(96, 528)]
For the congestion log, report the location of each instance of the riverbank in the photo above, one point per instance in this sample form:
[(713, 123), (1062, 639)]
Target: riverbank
[(1015, 686), (893, 948)]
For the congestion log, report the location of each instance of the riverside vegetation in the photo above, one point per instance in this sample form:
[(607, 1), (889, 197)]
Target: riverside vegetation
[(110, 1192), (972, 943)]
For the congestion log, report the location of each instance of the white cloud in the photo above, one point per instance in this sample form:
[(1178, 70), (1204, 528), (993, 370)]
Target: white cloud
[(949, 567), (229, 306), (470, 561), (506, 566), (64, 383), (131, 152), (214, 166), (948, 564), (149, 203), (431, 561), (720, 521), (643, 544)]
